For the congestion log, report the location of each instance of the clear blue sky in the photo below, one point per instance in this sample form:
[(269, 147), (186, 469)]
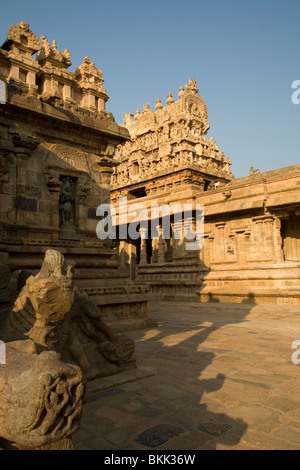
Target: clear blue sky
[(244, 55)]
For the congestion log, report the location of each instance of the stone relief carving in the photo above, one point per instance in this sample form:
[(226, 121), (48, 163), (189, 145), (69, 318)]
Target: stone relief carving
[(70, 155), (40, 399)]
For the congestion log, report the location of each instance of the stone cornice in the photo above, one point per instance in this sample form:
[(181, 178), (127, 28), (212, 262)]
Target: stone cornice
[(60, 119)]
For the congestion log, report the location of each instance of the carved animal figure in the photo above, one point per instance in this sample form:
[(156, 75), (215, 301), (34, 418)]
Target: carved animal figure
[(61, 318)]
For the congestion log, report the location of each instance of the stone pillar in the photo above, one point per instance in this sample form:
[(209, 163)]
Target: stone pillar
[(220, 252), (46, 84), (85, 100), (269, 238), (257, 240), (260, 239), (54, 185), (172, 241), (154, 242), (232, 240), (278, 249), (178, 247), (169, 246), (161, 247), (31, 80), (252, 255), (241, 247), (67, 92), (211, 248), (122, 254), (54, 86), (101, 105), (202, 255), (192, 238), (291, 239), (14, 72), (21, 182), (91, 101), (143, 257)]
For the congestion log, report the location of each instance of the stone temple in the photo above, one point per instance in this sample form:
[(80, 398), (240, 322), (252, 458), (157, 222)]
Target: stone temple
[(66, 292), (251, 248)]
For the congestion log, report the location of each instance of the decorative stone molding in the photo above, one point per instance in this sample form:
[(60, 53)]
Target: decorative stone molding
[(73, 157)]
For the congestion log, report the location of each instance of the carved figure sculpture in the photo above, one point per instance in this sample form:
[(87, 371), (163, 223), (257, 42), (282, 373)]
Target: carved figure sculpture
[(50, 325), (40, 395), (61, 318), (42, 305), (66, 200)]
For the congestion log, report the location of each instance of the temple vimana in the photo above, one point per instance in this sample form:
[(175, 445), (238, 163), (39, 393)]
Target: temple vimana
[(67, 297)]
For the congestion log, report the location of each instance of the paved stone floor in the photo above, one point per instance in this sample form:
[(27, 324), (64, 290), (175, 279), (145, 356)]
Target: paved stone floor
[(210, 376)]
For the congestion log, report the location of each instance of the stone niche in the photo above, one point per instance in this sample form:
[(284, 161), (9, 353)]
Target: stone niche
[(57, 144)]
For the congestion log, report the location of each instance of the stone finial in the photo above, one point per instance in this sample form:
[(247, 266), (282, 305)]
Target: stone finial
[(67, 55), (192, 86), (137, 114), (169, 100), (24, 26), (253, 171), (146, 108), (45, 46), (158, 104), (54, 45), (128, 119), (181, 91)]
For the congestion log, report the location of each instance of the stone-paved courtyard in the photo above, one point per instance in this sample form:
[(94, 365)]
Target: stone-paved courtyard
[(210, 376)]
